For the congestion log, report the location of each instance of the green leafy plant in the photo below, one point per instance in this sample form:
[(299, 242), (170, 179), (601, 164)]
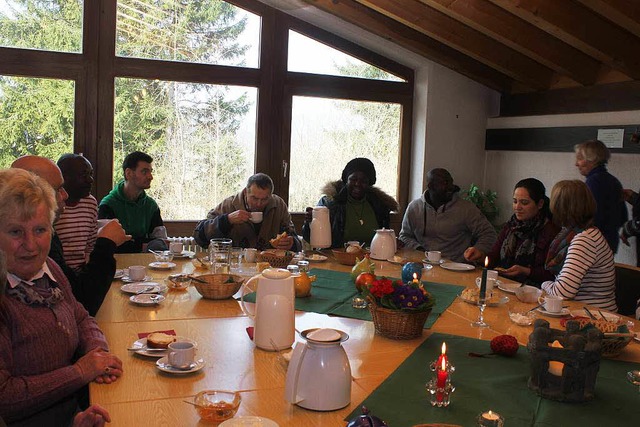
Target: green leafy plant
[(484, 200)]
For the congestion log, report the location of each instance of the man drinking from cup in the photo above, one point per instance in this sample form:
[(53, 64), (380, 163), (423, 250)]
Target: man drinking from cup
[(251, 218)]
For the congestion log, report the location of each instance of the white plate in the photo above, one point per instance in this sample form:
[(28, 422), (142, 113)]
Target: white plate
[(398, 260), (457, 266), (142, 345), (162, 265), (249, 421), (611, 317), (163, 365), (426, 261), (126, 279), (508, 287), (147, 299), (493, 303), (184, 254), (561, 313), (143, 288), (315, 258), (119, 274)]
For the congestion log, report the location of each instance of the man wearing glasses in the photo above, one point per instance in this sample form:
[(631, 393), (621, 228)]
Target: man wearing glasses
[(251, 218)]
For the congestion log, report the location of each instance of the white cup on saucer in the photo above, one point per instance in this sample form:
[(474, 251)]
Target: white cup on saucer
[(137, 272), (181, 354), (433, 256), (551, 303), (256, 217), (176, 247)]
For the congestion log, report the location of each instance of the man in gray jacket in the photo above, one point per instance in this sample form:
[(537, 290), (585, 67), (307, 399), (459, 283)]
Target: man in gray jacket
[(233, 219), (441, 221)]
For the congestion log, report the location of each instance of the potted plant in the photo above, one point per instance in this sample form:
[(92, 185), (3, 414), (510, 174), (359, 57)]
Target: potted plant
[(398, 309), (484, 200)]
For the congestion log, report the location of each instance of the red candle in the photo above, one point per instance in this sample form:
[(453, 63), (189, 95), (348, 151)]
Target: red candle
[(441, 380), (442, 356)]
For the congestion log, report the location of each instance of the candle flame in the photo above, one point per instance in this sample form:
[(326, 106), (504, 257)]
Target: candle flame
[(444, 366), (444, 347), (415, 276), (486, 261)]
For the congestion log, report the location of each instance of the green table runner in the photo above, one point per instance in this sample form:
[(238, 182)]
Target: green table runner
[(333, 291), (500, 384)]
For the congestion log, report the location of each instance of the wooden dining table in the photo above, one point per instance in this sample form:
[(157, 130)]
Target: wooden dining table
[(145, 396)]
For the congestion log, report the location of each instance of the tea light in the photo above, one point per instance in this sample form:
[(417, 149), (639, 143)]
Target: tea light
[(415, 278), (555, 367), (490, 419)]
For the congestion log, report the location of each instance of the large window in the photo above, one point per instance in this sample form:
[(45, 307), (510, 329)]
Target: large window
[(214, 91)]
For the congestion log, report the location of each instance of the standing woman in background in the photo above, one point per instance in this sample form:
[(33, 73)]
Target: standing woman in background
[(611, 212), (580, 251)]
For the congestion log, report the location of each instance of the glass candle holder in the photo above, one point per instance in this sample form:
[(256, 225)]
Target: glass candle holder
[(490, 419), (303, 266), (440, 396)]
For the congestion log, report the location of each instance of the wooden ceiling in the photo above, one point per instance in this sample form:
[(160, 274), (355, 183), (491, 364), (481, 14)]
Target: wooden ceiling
[(513, 46)]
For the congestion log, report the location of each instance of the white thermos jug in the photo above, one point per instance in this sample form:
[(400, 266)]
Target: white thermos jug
[(320, 228)]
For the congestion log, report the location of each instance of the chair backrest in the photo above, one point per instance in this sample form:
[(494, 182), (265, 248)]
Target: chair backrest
[(627, 288)]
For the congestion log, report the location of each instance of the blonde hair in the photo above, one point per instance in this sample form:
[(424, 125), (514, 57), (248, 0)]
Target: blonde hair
[(594, 151), (22, 193), (572, 204)]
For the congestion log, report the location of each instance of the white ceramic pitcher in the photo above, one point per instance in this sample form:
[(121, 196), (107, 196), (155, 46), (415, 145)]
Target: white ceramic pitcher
[(319, 374), (274, 315), (383, 245)]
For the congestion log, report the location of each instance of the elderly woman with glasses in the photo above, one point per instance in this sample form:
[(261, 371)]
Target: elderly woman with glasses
[(50, 348)]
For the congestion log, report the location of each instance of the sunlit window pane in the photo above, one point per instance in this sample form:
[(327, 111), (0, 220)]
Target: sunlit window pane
[(36, 117), (202, 139), (309, 56), (327, 133), (43, 25), (203, 31)]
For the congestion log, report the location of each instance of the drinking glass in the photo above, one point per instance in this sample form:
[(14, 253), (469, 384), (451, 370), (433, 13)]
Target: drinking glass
[(480, 323), (634, 378), (220, 255)]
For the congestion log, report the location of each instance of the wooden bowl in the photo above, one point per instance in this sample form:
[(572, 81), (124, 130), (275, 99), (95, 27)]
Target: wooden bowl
[(347, 258)]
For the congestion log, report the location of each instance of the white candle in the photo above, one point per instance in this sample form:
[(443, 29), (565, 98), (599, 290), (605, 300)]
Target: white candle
[(555, 367)]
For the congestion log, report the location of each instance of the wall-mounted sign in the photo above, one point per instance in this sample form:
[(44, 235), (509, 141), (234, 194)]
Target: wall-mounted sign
[(612, 138)]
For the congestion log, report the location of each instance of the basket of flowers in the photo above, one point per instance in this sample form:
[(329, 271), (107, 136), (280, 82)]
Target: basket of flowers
[(398, 309)]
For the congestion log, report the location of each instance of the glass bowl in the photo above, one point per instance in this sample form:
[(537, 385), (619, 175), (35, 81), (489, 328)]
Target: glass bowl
[(217, 405), (529, 294), (164, 256), (520, 314), (178, 281)]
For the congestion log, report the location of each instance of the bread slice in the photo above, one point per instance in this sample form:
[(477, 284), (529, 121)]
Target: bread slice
[(159, 340)]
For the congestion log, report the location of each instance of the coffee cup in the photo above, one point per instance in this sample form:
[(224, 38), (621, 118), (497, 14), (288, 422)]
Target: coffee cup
[(137, 272), (250, 254), (551, 303), (176, 247), (433, 256), (256, 217), (491, 283), (181, 354)]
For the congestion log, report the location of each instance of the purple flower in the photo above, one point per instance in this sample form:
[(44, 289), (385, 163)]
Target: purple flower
[(407, 297)]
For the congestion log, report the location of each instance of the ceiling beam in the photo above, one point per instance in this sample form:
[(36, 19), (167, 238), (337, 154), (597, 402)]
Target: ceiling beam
[(371, 21), (460, 37), (624, 13), (581, 27), (521, 36)]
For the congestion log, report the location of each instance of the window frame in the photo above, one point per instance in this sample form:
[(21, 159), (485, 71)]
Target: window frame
[(94, 71)]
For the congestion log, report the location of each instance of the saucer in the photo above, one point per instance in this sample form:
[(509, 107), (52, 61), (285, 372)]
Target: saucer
[(457, 266), (184, 254), (508, 287), (397, 260), (315, 258), (249, 420), (147, 299), (143, 288), (162, 265), (561, 313), (119, 274), (426, 261), (141, 347), (163, 365), (126, 279)]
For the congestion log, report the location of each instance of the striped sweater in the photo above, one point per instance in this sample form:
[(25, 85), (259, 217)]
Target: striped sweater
[(588, 274), (77, 229)]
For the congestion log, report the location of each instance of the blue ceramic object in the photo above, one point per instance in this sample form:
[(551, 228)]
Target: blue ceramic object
[(408, 269)]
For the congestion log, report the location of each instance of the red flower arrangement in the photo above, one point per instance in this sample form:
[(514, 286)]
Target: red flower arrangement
[(399, 296)]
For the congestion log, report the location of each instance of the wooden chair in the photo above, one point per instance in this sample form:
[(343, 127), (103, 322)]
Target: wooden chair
[(627, 288)]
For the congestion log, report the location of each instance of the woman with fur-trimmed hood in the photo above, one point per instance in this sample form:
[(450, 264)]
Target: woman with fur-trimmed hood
[(356, 208)]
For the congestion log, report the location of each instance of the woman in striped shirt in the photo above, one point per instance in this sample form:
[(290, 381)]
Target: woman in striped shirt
[(580, 252)]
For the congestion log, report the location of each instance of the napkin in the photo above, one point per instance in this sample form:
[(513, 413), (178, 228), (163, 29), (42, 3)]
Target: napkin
[(144, 334)]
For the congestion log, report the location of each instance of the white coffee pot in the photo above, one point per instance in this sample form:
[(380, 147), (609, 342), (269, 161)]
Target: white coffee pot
[(274, 314), (319, 374), (320, 228), (383, 245)]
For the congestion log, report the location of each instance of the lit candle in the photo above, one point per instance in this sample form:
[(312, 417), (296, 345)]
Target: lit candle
[(443, 355), (441, 382), (555, 367), (483, 284), (415, 278), (490, 419)]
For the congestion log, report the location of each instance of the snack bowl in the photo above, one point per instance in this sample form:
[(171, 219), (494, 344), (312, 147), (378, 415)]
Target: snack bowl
[(164, 256), (201, 263), (521, 315), (277, 258), (218, 285), (528, 294), (217, 405), (347, 258), (178, 281)]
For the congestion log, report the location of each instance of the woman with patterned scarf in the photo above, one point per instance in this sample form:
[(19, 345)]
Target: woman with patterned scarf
[(522, 245)]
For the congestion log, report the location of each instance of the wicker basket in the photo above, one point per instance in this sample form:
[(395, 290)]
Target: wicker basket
[(396, 324), (218, 285), (612, 346), (277, 258), (347, 258)]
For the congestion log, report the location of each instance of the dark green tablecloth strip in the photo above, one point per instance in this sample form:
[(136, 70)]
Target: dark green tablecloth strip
[(333, 291), (500, 384)]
